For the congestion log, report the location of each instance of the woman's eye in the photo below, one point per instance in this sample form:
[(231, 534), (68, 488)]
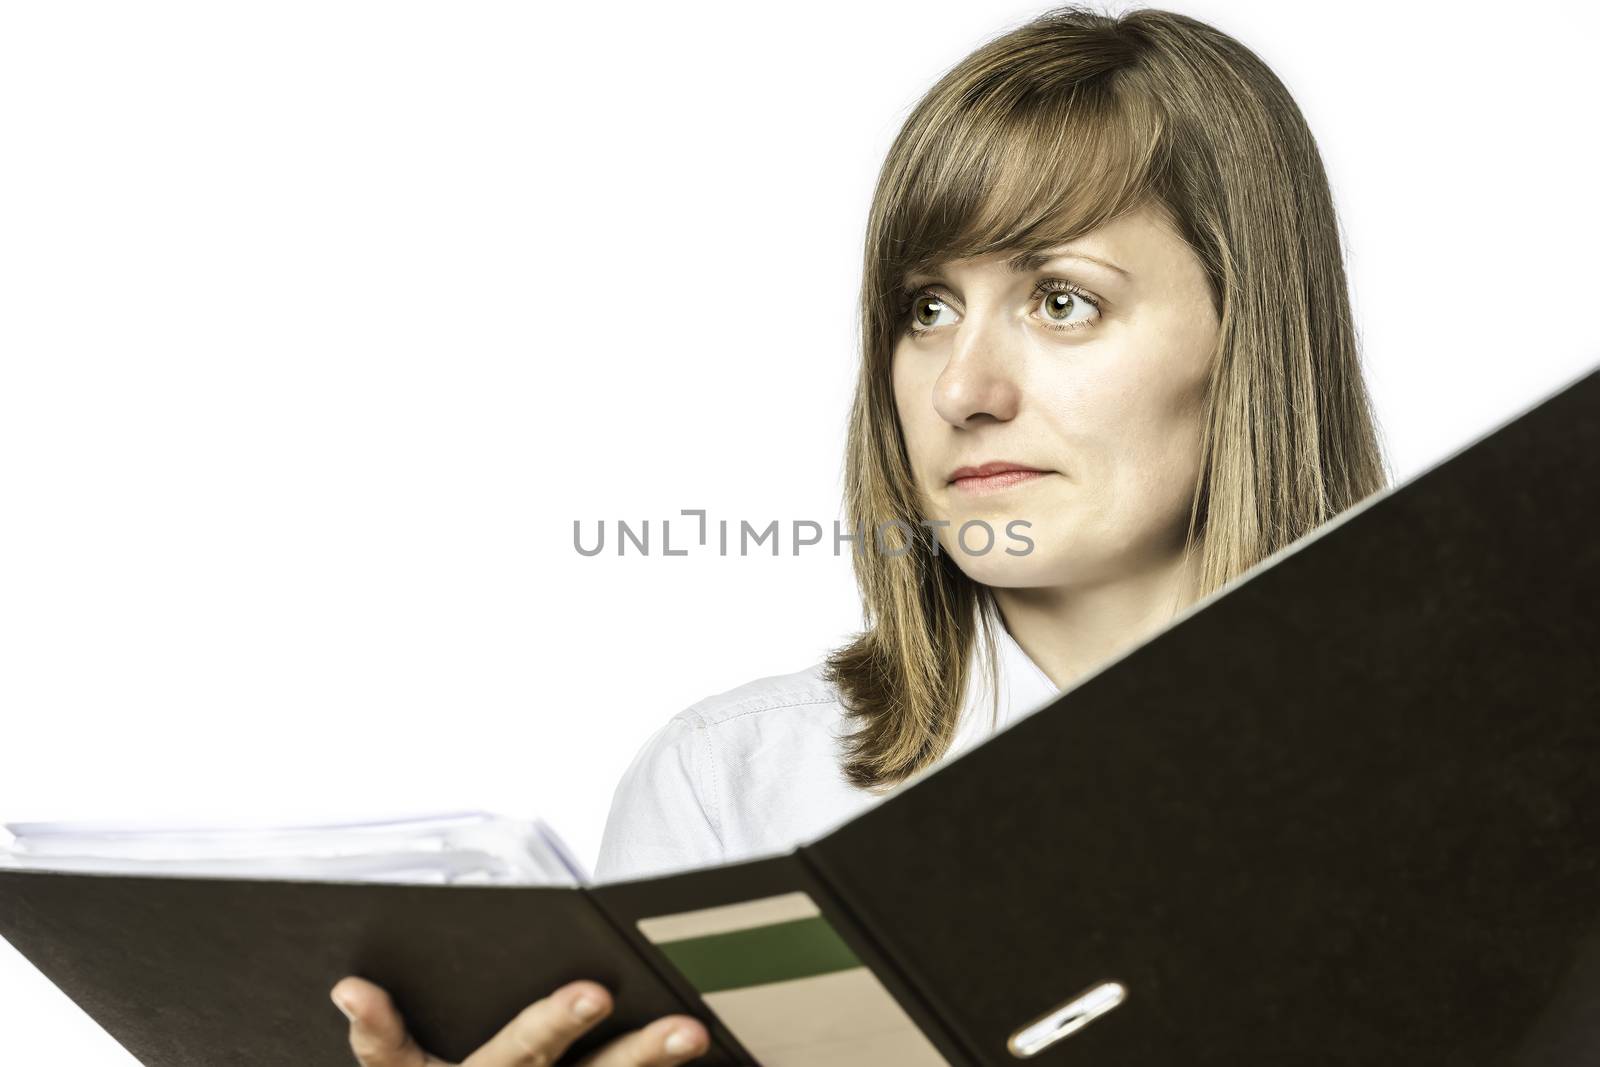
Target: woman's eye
[(925, 311), (1063, 308)]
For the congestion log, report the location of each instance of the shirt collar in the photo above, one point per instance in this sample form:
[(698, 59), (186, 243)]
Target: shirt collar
[(1022, 689)]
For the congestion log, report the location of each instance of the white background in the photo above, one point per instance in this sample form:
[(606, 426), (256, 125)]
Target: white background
[(320, 324)]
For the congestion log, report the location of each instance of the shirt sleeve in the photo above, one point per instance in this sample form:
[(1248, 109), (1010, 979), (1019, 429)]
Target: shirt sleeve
[(663, 817)]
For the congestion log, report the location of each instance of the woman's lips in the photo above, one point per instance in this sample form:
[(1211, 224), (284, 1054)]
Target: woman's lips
[(979, 484)]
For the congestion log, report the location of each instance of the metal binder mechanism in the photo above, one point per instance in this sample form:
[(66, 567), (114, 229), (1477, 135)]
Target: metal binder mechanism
[(1069, 1018)]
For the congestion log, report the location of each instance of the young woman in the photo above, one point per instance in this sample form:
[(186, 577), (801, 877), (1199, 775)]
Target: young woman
[(1104, 319)]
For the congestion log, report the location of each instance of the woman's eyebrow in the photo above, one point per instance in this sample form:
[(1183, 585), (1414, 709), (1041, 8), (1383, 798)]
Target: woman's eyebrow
[(1026, 261), (1022, 263)]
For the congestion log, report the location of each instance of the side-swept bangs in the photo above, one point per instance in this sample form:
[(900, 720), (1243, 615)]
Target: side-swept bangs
[(996, 166)]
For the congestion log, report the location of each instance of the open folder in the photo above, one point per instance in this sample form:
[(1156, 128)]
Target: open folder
[(1345, 811)]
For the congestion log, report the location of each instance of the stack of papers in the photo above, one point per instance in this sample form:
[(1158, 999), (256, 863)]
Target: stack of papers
[(470, 848)]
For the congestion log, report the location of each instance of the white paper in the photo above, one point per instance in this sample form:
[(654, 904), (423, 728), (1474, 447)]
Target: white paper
[(475, 848)]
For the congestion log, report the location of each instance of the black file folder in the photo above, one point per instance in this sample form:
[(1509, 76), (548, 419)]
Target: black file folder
[(1345, 812)]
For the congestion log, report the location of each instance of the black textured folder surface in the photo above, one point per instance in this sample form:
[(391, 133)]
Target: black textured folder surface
[(201, 972), (1346, 813)]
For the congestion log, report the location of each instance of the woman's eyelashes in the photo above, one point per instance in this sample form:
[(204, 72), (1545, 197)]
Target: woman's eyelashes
[(1058, 305), (1062, 304)]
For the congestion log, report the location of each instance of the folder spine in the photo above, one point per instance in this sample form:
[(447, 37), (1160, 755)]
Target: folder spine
[(651, 957), (927, 1009)]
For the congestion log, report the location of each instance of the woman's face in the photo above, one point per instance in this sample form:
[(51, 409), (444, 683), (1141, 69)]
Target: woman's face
[(1091, 373)]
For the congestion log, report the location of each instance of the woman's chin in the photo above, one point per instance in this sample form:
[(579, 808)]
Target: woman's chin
[(1007, 572)]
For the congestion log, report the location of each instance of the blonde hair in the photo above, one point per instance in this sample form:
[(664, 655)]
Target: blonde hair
[(1041, 135)]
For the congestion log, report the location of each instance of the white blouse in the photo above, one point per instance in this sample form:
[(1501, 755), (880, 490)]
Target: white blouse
[(756, 770)]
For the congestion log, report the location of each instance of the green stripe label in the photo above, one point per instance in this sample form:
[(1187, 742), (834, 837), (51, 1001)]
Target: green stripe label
[(800, 948), (782, 979)]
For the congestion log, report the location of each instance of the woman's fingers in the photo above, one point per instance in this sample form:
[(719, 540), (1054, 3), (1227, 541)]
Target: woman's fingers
[(542, 1031), (378, 1035), (670, 1040), (537, 1037)]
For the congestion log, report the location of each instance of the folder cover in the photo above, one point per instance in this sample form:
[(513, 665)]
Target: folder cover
[(1345, 811)]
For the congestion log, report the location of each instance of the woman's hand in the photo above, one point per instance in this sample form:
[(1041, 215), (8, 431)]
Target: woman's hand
[(537, 1037)]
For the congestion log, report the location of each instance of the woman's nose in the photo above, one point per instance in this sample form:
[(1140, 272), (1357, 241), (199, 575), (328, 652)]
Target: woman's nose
[(979, 379)]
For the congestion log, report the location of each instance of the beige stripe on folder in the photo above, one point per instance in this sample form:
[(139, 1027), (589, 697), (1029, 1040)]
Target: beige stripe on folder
[(745, 915), (845, 1019), (803, 999)]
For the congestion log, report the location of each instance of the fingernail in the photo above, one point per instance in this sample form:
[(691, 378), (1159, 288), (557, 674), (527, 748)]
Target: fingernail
[(342, 1006), (682, 1041), (585, 1008)]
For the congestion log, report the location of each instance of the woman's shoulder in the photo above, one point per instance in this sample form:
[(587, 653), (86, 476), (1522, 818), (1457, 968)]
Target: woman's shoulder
[(741, 771), (731, 733), (771, 695)]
